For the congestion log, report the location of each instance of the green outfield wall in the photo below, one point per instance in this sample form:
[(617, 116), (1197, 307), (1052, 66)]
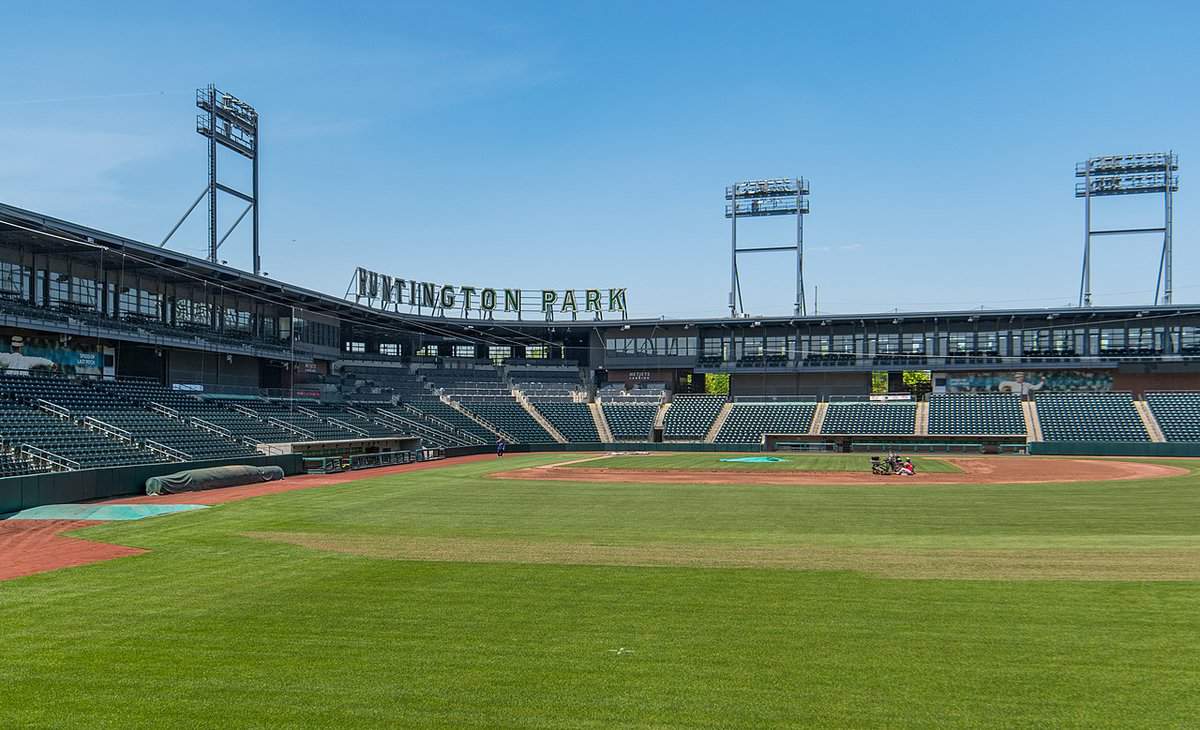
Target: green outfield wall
[(25, 492)]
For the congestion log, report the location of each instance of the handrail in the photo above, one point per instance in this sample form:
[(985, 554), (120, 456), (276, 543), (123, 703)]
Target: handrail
[(164, 410), (459, 433), (204, 425), (54, 408), (248, 412), (307, 411), (289, 427), (49, 457), (480, 420), (409, 427), (96, 424), (166, 451), (413, 427), (349, 427)]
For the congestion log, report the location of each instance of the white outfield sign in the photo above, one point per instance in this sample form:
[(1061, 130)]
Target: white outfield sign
[(390, 293)]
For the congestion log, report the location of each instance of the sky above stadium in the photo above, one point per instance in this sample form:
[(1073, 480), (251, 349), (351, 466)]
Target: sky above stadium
[(588, 144)]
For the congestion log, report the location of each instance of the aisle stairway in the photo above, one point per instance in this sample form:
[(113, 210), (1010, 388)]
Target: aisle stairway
[(718, 422), (602, 428), (1148, 419), (818, 419)]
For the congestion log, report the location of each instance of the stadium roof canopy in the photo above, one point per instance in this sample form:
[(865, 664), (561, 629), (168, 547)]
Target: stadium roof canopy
[(60, 236)]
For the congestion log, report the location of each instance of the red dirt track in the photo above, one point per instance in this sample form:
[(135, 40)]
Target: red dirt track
[(998, 470), (38, 546)]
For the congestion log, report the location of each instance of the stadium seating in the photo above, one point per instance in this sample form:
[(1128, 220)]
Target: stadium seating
[(541, 392), (630, 421), (510, 417), (313, 427), (641, 393), (691, 416), (1177, 413), (976, 414), (11, 465), (1089, 417), (22, 425), (545, 375), (433, 407), (172, 432), (747, 422), (870, 418), (241, 425), (372, 427), (573, 420)]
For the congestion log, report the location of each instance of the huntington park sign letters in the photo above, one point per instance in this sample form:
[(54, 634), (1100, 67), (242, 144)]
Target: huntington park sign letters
[(386, 292)]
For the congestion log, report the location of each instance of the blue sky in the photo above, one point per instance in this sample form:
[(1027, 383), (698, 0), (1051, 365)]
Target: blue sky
[(588, 144)]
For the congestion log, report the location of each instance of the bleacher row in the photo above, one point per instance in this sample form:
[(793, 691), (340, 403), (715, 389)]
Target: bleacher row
[(58, 422)]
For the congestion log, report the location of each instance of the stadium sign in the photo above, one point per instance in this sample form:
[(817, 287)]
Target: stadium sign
[(391, 293)]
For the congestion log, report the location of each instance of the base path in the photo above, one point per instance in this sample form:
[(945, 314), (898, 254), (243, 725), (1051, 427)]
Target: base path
[(38, 546), (997, 470)]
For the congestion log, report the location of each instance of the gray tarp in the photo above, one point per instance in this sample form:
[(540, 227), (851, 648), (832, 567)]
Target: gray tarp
[(195, 480)]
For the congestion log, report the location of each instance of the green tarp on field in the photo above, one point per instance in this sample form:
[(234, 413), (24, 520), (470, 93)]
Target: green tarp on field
[(195, 480)]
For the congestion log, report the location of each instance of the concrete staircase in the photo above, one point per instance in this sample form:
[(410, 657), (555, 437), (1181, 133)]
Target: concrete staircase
[(717, 423), (602, 428), (1033, 427), (922, 428), (661, 417), (537, 416), (818, 419), (1149, 421)]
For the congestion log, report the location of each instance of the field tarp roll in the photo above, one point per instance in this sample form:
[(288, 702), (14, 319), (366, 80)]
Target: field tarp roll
[(195, 480)]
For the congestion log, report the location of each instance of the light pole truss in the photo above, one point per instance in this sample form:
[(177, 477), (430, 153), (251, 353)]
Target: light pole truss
[(227, 121), (1135, 174), (761, 199)]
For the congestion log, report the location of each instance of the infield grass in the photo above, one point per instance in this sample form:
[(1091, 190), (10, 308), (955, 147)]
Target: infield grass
[(318, 608), (709, 461)]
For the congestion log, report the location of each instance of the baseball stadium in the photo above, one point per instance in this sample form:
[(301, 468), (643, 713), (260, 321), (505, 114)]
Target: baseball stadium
[(230, 500)]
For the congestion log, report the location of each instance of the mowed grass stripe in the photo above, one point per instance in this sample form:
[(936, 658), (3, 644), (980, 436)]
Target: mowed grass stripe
[(917, 563)]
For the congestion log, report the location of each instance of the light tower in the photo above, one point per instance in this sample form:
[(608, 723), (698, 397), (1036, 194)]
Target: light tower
[(229, 122), (761, 198), (1135, 174)]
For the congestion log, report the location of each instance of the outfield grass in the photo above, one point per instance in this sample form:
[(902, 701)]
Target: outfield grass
[(217, 628), (710, 461)]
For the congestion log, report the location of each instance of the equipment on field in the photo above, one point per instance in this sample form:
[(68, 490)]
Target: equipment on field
[(889, 466), (195, 480)]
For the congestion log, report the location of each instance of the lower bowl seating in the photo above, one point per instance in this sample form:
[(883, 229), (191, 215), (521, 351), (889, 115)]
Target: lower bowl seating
[(870, 418), (630, 421), (573, 420), (1177, 413), (747, 422), (1089, 417), (691, 416), (976, 414)]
